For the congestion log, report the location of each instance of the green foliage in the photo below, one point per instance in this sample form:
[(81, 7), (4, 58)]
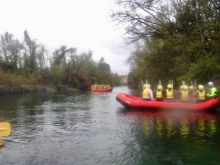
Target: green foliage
[(16, 79), (103, 66), (204, 70), (25, 63), (116, 79), (132, 79), (44, 76), (179, 41), (76, 82), (56, 75)]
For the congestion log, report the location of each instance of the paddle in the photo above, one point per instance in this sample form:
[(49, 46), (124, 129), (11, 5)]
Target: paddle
[(1, 142), (195, 84), (5, 129), (142, 85), (183, 83)]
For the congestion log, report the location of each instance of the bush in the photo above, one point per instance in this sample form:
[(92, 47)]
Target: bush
[(16, 79)]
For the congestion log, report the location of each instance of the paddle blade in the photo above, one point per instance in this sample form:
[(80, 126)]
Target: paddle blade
[(1, 142), (5, 129)]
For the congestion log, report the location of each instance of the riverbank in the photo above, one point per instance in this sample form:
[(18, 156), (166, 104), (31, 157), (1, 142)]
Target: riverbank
[(33, 88)]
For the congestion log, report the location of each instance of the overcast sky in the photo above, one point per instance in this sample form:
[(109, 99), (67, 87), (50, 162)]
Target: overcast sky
[(82, 24)]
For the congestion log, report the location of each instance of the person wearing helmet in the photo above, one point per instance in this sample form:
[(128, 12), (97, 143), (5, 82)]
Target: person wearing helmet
[(169, 93), (191, 93), (199, 95), (179, 93), (147, 93), (213, 92), (185, 94), (159, 93)]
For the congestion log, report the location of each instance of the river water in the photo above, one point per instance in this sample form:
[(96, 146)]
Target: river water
[(91, 128)]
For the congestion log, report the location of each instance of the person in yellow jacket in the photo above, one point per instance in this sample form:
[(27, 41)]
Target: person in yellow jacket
[(179, 93), (213, 92), (199, 95), (147, 93), (169, 93), (159, 93), (185, 94)]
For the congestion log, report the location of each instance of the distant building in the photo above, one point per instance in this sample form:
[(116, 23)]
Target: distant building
[(124, 79)]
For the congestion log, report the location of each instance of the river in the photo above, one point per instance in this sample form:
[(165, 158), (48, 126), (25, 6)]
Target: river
[(91, 128)]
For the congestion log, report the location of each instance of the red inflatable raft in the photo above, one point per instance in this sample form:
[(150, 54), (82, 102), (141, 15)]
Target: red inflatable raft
[(102, 89), (131, 101)]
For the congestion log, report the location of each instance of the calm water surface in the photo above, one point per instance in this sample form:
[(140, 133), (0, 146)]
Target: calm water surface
[(88, 128)]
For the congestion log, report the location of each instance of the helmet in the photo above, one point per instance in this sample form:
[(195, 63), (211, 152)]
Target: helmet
[(159, 87), (201, 87), (210, 83), (191, 87), (169, 86), (185, 87), (148, 85)]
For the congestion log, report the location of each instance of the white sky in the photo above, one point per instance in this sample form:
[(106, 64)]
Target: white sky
[(82, 24)]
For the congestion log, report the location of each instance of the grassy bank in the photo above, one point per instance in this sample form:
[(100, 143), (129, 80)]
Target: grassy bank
[(21, 83)]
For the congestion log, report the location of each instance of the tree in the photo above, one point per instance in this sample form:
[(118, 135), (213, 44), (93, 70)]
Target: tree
[(144, 19), (6, 40), (11, 49), (59, 55), (86, 57), (176, 37), (103, 66), (31, 52), (41, 56)]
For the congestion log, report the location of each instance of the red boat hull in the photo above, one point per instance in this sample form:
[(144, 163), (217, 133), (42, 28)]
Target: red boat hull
[(102, 90), (131, 101)]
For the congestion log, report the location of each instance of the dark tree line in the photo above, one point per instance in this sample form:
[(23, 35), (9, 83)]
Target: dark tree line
[(175, 39), (29, 62)]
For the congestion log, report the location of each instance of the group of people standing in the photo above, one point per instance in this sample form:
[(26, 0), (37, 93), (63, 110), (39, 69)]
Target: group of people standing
[(185, 93), (100, 86)]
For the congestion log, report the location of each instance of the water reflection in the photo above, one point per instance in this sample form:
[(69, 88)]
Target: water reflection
[(93, 128), (184, 129), (170, 123), (169, 137)]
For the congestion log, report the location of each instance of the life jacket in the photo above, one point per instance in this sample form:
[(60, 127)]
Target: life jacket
[(169, 93), (146, 93), (159, 94), (185, 95), (215, 91), (201, 95)]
